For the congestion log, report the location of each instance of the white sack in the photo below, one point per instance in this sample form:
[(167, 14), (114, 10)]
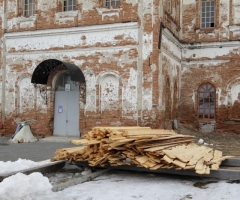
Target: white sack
[(24, 135)]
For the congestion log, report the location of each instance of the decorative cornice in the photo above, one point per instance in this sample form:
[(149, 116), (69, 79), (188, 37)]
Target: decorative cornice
[(73, 30), (172, 38)]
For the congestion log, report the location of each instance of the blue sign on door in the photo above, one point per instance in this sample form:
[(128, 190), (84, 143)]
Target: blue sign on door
[(60, 109)]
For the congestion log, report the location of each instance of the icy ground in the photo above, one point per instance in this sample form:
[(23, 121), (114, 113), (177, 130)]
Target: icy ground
[(117, 185)]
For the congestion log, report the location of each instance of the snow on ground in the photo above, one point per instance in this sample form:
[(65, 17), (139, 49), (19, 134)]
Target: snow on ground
[(120, 185), (20, 164)]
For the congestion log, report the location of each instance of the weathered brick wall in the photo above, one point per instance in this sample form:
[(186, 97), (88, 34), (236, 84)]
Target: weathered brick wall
[(225, 27), (49, 14), (215, 66), (125, 47), (94, 62), (131, 56), (98, 54), (2, 8), (211, 56)]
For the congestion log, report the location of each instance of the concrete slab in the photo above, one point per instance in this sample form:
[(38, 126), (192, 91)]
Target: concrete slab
[(66, 139), (36, 151)]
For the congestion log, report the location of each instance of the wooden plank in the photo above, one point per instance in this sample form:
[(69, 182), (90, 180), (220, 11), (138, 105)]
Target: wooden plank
[(200, 164), (159, 144), (150, 164), (202, 171), (171, 153), (117, 138), (153, 132), (187, 156), (157, 166), (208, 156), (165, 138), (81, 141), (167, 159), (179, 163), (142, 159), (159, 148), (202, 151), (219, 160), (182, 153)]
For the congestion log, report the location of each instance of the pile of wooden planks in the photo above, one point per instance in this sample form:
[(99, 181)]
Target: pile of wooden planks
[(142, 146)]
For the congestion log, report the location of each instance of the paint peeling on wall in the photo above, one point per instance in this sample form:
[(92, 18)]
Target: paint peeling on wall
[(109, 93)]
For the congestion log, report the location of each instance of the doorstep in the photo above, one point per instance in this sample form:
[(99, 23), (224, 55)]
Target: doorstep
[(66, 139)]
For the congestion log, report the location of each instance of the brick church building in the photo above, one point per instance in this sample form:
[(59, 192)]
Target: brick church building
[(69, 65)]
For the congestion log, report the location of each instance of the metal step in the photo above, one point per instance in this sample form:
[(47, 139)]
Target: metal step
[(230, 174), (231, 162)]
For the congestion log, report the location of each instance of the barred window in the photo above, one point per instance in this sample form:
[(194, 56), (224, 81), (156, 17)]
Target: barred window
[(206, 102), (110, 3), (29, 7), (208, 14), (69, 5)]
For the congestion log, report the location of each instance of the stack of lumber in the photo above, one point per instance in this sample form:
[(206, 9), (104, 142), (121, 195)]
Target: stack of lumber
[(144, 147)]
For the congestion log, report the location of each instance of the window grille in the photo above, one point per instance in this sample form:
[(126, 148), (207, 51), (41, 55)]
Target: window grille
[(69, 5), (206, 102), (208, 14), (110, 3), (29, 7)]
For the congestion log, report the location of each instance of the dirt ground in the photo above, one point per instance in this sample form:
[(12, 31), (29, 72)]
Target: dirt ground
[(228, 143)]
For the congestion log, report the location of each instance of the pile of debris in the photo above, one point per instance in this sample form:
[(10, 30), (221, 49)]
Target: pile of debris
[(144, 147)]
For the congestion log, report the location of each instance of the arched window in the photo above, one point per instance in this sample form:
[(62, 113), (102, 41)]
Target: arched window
[(175, 101), (206, 101), (167, 100)]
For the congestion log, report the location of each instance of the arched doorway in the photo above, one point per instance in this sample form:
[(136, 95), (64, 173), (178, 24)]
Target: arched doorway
[(66, 106), (62, 100)]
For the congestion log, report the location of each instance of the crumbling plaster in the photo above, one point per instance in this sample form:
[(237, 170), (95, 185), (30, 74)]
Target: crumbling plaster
[(21, 52), (126, 55), (102, 35)]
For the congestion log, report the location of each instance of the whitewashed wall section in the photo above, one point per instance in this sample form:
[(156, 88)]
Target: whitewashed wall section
[(208, 55), (236, 11), (26, 62), (22, 59), (71, 37), (26, 95), (129, 95), (90, 91), (209, 51), (235, 93), (171, 62), (10, 94), (109, 87)]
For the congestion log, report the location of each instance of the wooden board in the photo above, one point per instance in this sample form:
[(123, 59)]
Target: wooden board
[(145, 147)]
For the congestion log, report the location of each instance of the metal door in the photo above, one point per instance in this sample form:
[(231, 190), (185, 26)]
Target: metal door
[(66, 113)]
